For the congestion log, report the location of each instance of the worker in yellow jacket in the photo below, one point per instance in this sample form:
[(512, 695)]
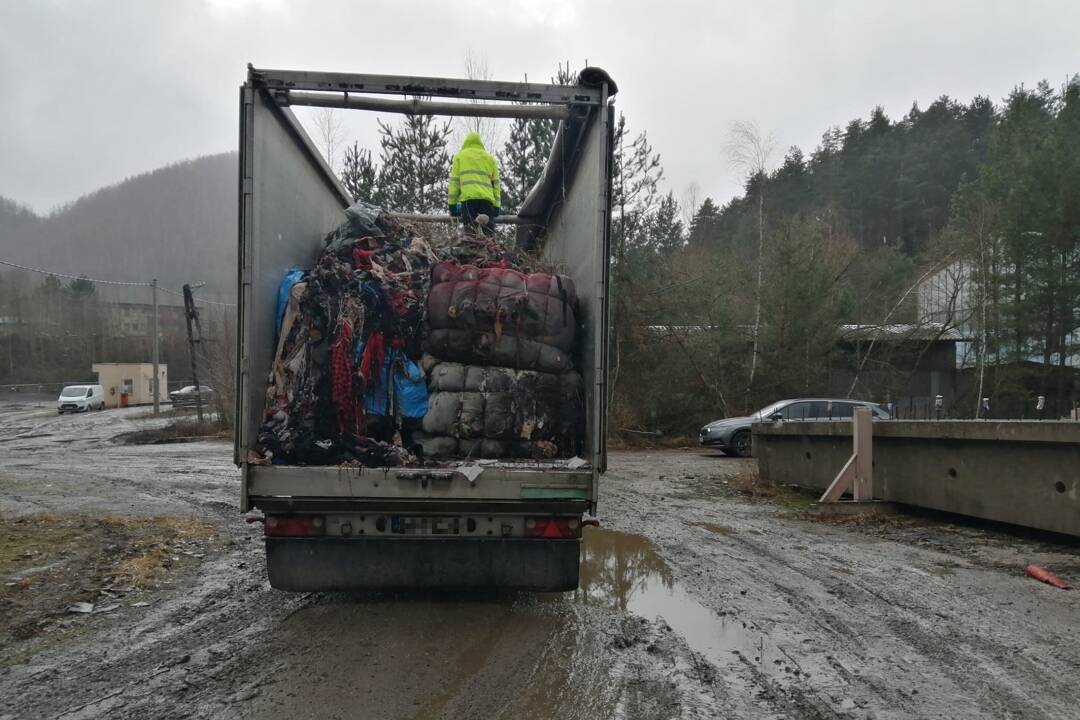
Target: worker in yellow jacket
[(474, 185)]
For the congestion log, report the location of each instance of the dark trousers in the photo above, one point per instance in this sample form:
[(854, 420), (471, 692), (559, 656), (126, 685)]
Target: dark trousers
[(471, 208)]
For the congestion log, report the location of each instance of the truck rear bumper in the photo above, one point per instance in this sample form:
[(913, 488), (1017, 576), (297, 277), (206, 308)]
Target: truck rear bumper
[(322, 564)]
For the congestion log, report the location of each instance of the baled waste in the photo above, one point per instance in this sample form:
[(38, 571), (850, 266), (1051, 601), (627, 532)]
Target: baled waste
[(395, 348)]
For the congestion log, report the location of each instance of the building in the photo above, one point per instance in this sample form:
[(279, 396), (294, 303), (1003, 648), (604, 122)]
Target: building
[(948, 297), (906, 366), (131, 383), (128, 319), (1016, 383)]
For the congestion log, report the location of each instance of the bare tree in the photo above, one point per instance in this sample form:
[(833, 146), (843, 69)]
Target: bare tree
[(217, 355), (749, 151), (689, 203), (331, 129), (489, 129), (934, 268)]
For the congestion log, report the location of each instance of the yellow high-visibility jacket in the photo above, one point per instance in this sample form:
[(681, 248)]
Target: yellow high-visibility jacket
[(474, 174)]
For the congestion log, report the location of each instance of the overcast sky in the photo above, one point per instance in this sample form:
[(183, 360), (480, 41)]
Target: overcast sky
[(97, 90)]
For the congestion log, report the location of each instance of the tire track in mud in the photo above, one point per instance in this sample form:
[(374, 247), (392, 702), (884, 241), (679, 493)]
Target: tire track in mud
[(878, 636), (849, 625), (220, 643)]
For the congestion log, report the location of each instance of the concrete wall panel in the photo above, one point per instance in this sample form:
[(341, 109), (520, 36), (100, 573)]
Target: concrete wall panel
[(1025, 473)]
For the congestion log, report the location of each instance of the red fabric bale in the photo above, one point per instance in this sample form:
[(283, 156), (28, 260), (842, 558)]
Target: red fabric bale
[(537, 306)]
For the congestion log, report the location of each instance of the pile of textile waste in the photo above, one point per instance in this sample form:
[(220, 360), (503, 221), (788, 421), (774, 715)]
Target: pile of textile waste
[(395, 348)]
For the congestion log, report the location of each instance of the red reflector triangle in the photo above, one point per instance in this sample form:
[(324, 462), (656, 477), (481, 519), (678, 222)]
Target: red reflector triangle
[(551, 530)]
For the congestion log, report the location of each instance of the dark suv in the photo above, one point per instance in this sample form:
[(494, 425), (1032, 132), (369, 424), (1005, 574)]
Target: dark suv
[(732, 435)]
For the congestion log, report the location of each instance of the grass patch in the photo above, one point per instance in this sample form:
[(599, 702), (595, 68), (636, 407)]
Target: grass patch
[(868, 521), (745, 483), (50, 561), (625, 439), (749, 483), (176, 432), (715, 528)]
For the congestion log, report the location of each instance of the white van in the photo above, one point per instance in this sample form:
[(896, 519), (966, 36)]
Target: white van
[(80, 398)]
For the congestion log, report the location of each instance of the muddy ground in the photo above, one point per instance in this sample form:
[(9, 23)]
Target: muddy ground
[(697, 602)]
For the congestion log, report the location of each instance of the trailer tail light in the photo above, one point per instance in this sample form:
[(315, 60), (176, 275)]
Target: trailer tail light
[(552, 527), (295, 525)]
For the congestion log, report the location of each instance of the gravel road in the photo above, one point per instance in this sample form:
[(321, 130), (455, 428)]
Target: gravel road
[(696, 602)]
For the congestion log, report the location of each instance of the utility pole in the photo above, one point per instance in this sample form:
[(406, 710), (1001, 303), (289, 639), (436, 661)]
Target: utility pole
[(157, 380), (191, 315)]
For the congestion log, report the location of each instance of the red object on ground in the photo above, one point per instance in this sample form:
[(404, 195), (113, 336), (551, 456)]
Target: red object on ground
[(1044, 575)]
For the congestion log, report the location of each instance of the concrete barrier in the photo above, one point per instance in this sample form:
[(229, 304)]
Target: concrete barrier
[(1021, 472)]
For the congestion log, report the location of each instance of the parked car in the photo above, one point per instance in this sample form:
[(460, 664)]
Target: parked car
[(80, 398), (732, 435), (186, 395)]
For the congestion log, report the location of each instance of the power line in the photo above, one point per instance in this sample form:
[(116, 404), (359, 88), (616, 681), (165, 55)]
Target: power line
[(75, 277), (98, 281), (197, 300)]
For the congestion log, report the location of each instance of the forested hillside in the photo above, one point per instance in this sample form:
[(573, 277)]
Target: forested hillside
[(746, 304), (177, 223), (717, 308)]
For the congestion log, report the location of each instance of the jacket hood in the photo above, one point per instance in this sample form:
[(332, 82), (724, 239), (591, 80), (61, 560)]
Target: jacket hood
[(472, 140)]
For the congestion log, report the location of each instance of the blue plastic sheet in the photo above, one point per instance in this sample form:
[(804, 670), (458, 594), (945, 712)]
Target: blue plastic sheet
[(292, 276), (410, 389), (409, 385)]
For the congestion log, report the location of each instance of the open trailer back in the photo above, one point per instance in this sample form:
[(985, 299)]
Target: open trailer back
[(454, 524)]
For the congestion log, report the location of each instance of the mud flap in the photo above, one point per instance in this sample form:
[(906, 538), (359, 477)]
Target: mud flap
[(324, 564)]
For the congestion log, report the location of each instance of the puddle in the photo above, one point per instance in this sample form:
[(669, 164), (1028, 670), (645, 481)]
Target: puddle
[(623, 572)]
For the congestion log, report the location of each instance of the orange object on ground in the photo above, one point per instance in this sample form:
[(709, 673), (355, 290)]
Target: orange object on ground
[(1044, 575)]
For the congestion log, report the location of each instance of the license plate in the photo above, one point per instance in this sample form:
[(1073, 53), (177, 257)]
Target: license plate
[(425, 525)]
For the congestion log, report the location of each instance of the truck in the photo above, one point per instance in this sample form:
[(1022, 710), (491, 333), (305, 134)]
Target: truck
[(490, 524)]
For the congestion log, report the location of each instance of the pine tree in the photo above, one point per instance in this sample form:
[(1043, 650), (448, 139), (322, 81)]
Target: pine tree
[(360, 176), (636, 175), (523, 158), (80, 290), (526, 151), (665, 229), (415, 164), (704, 226)]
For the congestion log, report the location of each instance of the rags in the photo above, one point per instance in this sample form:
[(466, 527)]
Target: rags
[(349, 327)]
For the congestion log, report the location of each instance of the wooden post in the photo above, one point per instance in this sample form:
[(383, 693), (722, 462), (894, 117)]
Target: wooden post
[(857, 475), (155, 386), (192, 316)]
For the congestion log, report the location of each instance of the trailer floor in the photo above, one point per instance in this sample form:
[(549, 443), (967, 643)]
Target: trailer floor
[(697, 601)]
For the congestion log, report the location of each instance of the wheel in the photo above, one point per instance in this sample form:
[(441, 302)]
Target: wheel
[(741, 443)]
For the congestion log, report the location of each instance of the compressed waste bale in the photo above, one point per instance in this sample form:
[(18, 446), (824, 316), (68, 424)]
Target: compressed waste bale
[(499, 316), (487, 348), (441, 446), (497, 403)]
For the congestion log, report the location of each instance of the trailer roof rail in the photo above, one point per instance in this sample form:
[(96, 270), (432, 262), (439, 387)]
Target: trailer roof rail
[(589, 92)]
